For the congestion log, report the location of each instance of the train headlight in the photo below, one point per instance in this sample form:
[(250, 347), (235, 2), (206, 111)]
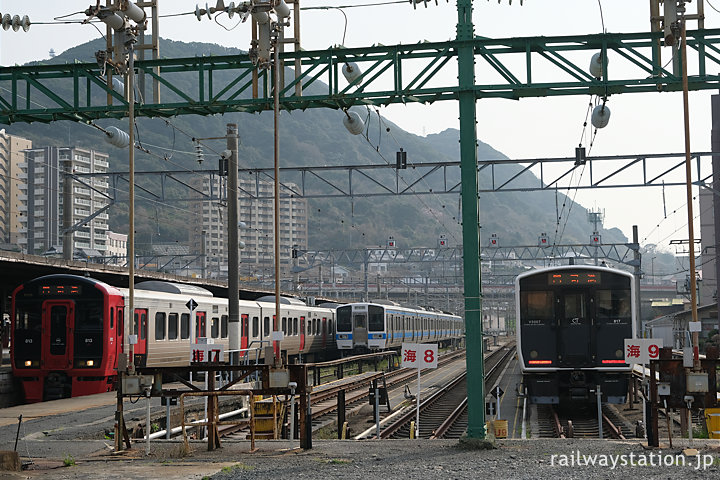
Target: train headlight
[(619, 354), (533, 354), (90, 363), (28, 363)]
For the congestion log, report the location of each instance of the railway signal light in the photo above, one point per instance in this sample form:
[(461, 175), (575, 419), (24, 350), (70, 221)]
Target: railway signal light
[(401, 160), (580, 158), (442, 241), (391, 242), (543, 240), (494, 241), (595, 238)]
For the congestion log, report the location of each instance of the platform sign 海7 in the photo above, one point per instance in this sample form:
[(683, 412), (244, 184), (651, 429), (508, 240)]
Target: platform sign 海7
[(206, 353), (419, 355), (642, 350)]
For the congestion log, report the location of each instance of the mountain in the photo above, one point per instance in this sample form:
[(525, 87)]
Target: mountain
[(317, 137)]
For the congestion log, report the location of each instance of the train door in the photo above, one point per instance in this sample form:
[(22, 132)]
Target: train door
[(140, 329), (119, 333), (244, 327), (302, 334), (360, 333), (58, 322), (574, 322), (200, 325), (324, 332)]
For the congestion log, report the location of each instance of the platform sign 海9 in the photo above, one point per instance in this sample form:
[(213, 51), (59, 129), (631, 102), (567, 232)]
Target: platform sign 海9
[(642, 350)]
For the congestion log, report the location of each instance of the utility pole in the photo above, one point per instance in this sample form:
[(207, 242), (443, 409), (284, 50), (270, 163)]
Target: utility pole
[(471, 221), (233, 262)]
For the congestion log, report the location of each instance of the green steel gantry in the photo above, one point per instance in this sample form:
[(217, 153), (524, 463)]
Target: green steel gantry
[(511, 68)]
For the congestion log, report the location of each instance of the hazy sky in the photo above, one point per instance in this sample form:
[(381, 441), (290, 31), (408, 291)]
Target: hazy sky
[(530, 128)]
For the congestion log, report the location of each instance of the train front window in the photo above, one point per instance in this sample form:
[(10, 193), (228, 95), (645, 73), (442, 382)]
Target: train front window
[(376, 319), (344, 319), (537, 305), (574, 306), (58, 330), (359, 320), (613, 304)]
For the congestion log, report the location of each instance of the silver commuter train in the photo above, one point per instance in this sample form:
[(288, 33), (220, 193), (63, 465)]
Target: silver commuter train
[(307, 331), (382, 325)]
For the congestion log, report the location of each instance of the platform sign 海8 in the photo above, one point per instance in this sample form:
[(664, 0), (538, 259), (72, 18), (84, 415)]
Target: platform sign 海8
[(419, 355), (642, 350)]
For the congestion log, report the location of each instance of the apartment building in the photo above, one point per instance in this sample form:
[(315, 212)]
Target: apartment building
[(255, 232), (41, 200), (11, 177)]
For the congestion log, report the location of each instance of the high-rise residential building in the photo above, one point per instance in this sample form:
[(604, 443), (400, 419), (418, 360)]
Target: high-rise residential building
[(42, 212), (11, 177), (255, 231)]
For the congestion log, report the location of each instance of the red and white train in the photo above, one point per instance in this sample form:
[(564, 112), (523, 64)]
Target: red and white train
[(69, 331)]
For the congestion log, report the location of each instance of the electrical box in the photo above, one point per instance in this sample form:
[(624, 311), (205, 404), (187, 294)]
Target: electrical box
[(663, 388), (136, 384), (697, 382), (279, 378)]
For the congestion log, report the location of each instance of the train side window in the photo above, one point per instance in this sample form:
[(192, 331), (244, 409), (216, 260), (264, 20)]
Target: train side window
[(284, 325), (112, 318), (224, 326), (266, 327), (256, 327), (185, 326), (159, 325), (172, 326), (295, 326), (215, 327), (143, 325)]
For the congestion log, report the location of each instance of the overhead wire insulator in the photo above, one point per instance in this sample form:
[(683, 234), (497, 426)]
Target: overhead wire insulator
[(351, 71), (600, 116), (199, 153), (117, 137), (353, 123), (6, 21), (596, 65), (282, 10), (133, 12), (118, 85)]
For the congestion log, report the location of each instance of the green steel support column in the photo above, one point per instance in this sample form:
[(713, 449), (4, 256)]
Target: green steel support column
[(470, 219)]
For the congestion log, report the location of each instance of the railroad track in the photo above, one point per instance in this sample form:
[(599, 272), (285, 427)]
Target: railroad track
[(444, 413), (324, 402), (580, 422)]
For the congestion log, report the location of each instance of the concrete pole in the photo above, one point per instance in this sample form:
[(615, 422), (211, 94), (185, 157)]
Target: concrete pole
[(68, 246), (232, 229), (715, 144)]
